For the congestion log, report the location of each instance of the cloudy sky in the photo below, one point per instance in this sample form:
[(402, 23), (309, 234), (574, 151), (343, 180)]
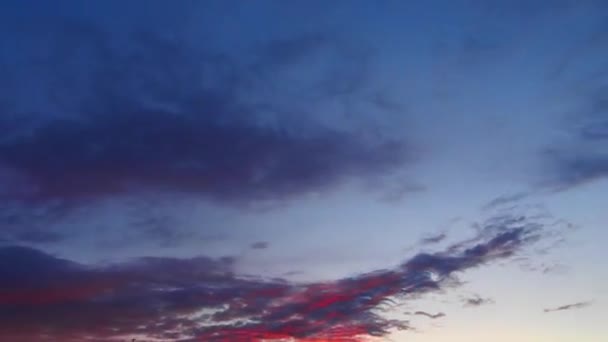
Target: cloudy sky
[(423, 171)]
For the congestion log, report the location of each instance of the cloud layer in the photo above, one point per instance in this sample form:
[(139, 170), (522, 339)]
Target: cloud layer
[(47, 298)]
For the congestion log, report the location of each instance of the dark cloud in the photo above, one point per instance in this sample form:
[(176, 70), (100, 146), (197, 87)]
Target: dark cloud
[(579, 305), (47, 298), (100, 114), (163, 115), (477, 301), (206, 147)]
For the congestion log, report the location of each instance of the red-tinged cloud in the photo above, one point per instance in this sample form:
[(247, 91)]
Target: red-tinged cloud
[(45, 298)]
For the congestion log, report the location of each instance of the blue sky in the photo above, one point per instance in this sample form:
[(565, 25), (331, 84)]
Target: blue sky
[(303, 170)]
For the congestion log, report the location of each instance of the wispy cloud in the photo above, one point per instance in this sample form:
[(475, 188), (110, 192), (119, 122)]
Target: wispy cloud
[(573, 306), (505, 200), (429, 315), (477, 301), (433, 239)]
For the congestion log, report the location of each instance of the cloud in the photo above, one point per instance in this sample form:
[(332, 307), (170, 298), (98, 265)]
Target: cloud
[(584, 159), (505, 200), (259, 245), (44, 297), (431, 316), (177, 120), (574, 168), (205, 148), (25, 224), (433, 239), (477, 301), (144, 113), (595, 123), (579, 305), (579, 157)]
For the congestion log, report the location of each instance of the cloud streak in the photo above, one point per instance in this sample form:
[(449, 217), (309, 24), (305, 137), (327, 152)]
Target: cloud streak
[(574, 306), (429, 315)]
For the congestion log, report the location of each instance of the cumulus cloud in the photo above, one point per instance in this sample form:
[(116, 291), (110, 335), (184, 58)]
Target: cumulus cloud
[(44, 297)]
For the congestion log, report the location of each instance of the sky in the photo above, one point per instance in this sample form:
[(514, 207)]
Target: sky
[(304, 171)]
